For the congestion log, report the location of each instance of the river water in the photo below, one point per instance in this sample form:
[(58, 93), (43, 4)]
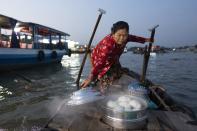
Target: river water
[(29, 97)]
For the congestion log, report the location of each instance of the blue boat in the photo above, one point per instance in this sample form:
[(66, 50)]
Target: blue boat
[(26, 44)]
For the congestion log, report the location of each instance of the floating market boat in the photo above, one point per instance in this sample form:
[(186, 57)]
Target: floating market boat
[(26, 44)]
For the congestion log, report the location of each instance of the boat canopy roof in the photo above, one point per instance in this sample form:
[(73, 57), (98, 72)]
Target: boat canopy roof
[(44, 30), (8, 23)]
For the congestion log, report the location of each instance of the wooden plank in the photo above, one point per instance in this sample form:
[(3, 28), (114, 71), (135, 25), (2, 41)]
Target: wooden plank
[(98, 125), (175, 121), (153, 123)]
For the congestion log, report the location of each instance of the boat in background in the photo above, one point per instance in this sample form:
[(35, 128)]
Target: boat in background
[(153, 54), (155, 49), (25, 44)]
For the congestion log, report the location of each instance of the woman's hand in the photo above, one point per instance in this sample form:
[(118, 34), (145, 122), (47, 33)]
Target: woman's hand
[(85, 83), (149, 40)]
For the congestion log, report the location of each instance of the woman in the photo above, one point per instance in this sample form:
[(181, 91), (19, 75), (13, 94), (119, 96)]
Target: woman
[(105, 56)]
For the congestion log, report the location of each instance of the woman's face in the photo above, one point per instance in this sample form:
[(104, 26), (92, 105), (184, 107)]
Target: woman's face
[(120, 36)]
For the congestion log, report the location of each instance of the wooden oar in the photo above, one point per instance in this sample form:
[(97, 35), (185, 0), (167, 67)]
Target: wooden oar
[(89, 44), (147, 55), (144, 69)]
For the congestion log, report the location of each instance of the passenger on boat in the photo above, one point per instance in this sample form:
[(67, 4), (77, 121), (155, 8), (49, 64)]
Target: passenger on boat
[(105, 56)]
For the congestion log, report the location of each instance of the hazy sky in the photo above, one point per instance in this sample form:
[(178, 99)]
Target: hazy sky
[(177, 18)]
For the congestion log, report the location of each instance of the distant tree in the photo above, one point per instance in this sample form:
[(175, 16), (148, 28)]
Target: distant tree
[(186, 47), (195, 46)]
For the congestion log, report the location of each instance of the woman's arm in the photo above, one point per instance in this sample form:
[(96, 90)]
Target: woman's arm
[(101, 59), (99, 62), (133, 38), (94, 71)]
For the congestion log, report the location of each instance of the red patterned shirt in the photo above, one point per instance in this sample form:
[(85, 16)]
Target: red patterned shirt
[(107, 53)]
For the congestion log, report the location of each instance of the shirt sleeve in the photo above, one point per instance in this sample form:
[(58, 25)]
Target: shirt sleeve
[(133, 38), (100, 59)]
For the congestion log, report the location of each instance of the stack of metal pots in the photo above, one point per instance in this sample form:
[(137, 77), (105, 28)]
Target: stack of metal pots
[(121, 119)]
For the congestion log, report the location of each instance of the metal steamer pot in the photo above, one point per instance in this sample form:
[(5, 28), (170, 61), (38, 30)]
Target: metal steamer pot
[(134, 119)]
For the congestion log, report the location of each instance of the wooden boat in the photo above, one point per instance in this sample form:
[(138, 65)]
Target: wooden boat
[(25, 44), (88, 116)]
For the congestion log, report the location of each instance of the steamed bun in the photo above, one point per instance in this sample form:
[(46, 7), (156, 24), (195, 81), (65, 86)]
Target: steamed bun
[(135, 104)]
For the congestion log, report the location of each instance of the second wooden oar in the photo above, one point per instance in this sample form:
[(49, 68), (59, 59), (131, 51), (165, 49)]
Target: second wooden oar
[(89, 44)]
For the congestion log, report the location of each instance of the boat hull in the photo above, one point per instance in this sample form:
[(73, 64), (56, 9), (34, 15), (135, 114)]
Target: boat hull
[(90, 116), (13, 58)]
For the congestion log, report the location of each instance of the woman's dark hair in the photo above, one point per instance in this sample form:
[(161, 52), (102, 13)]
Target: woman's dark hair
[(119, 25)]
